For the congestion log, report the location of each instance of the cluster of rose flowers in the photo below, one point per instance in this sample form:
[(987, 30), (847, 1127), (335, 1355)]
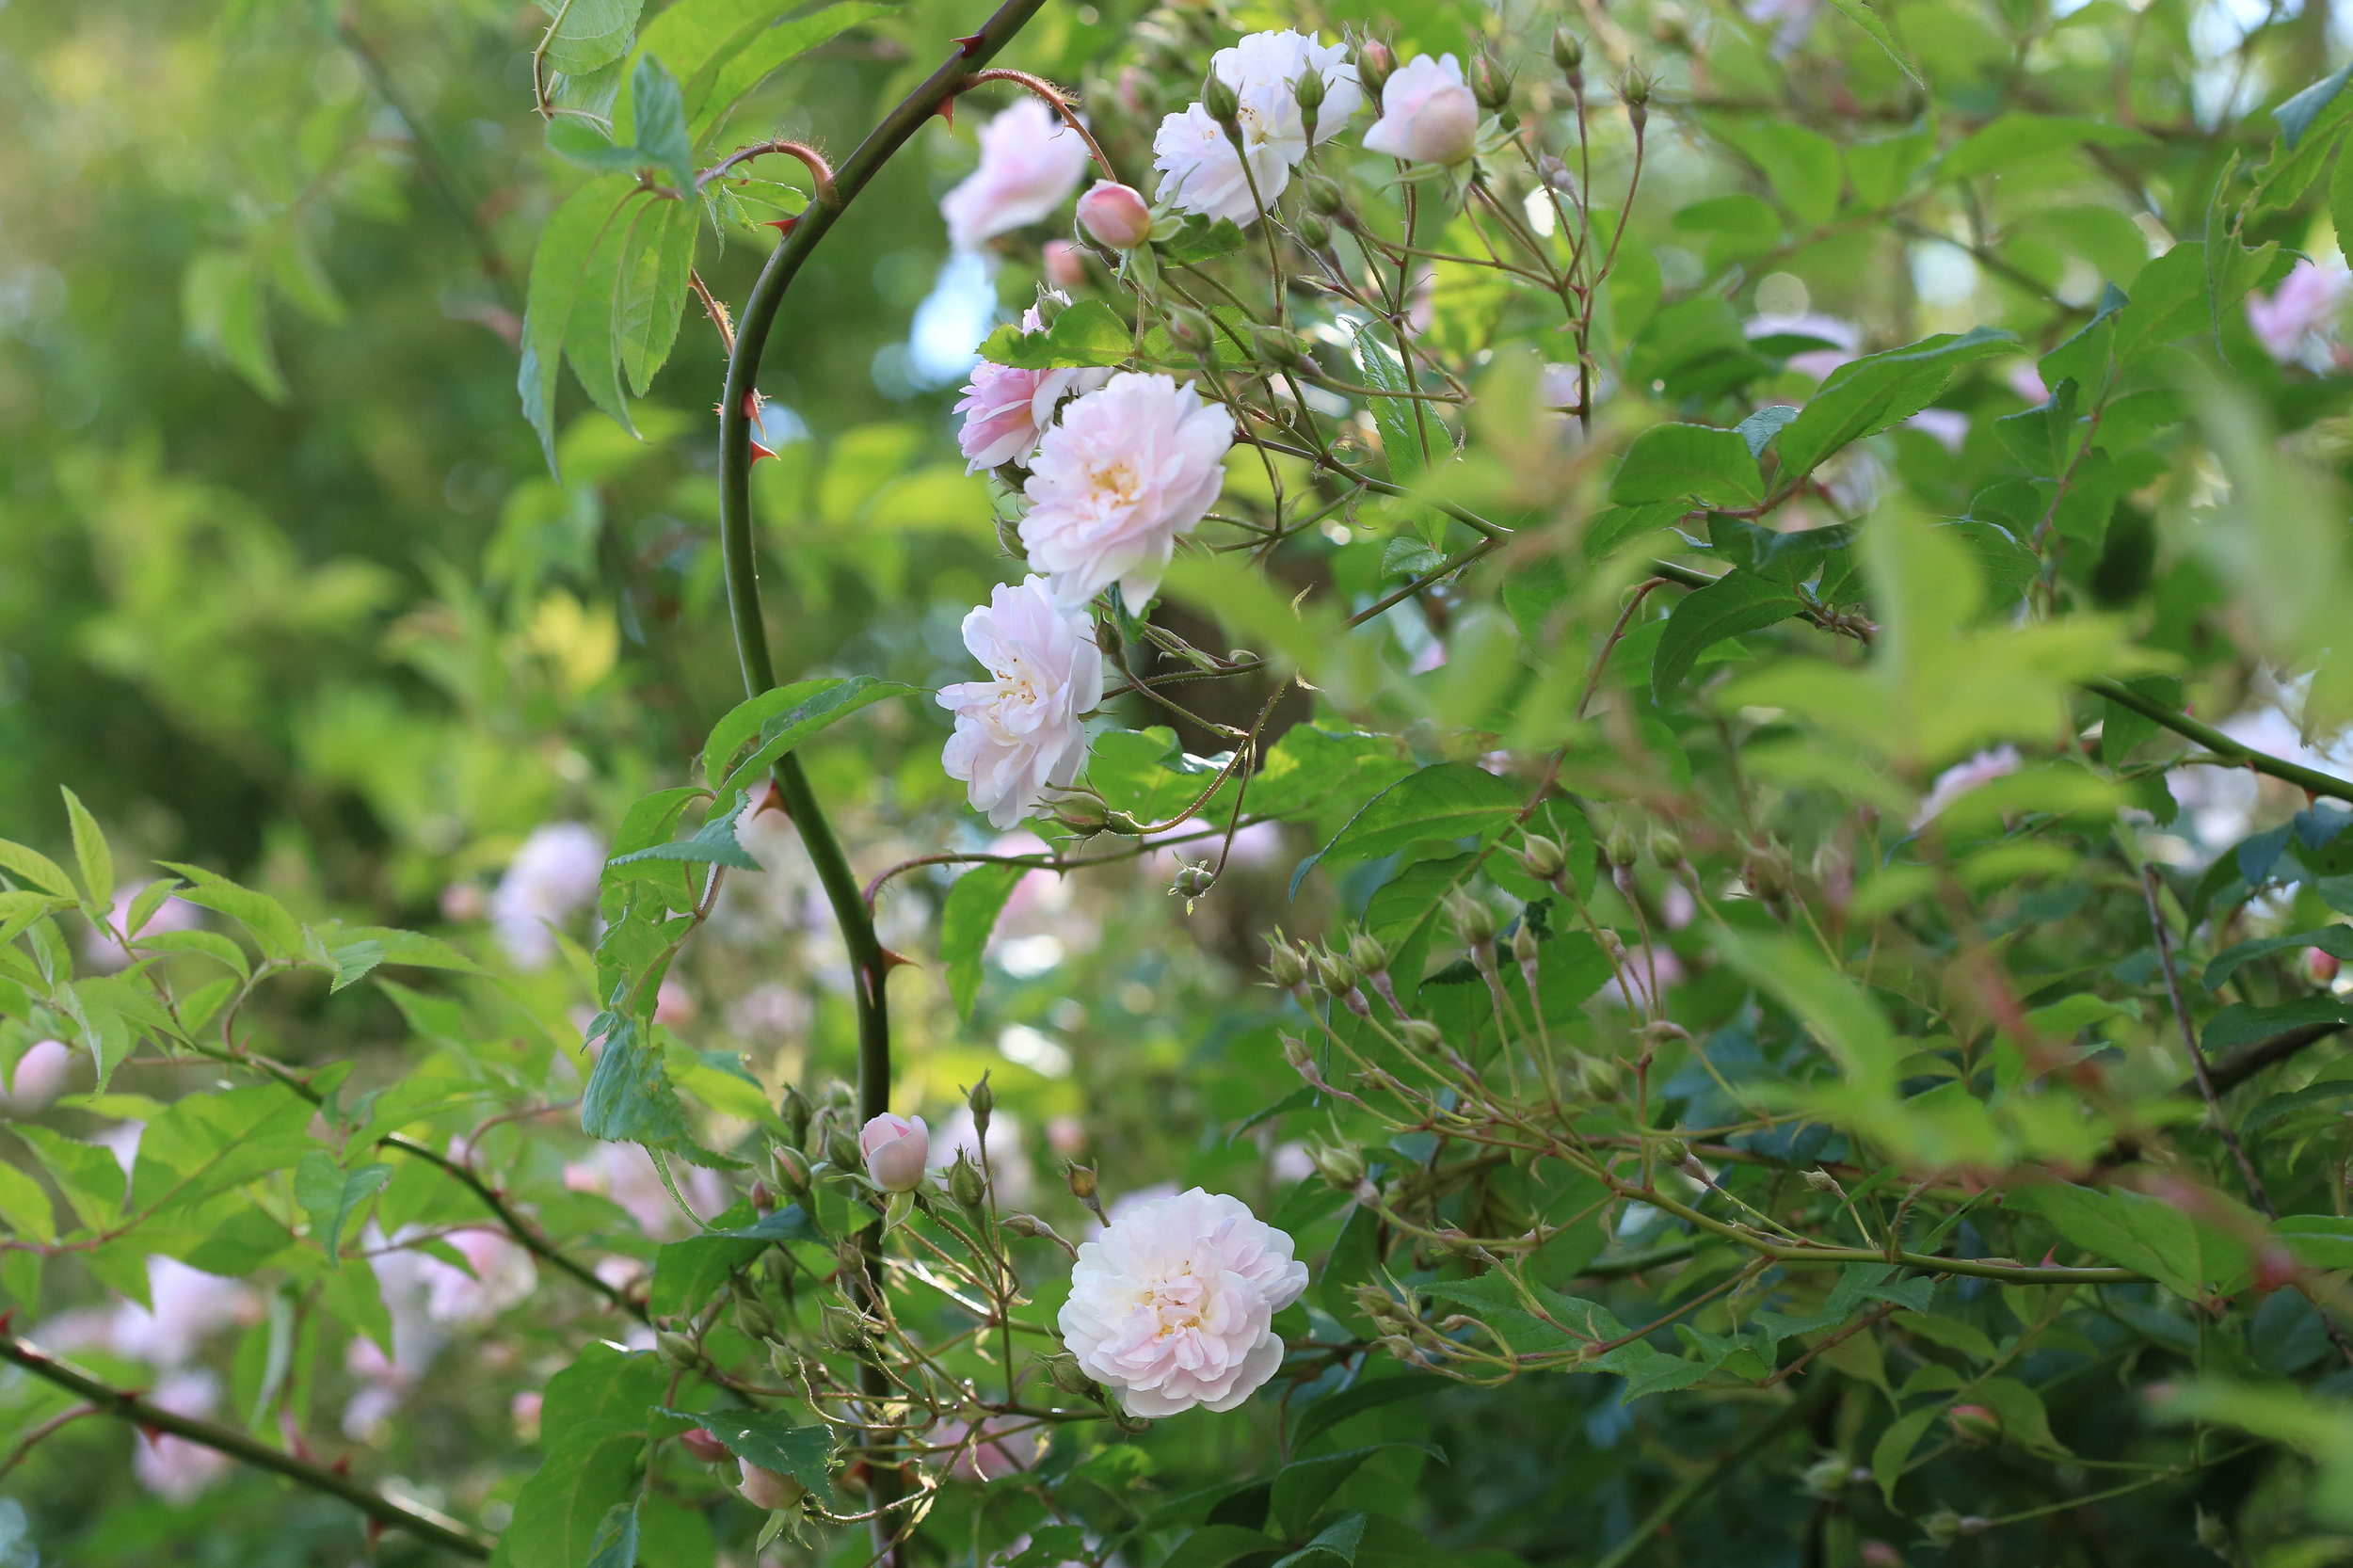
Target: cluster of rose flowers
[(1117, 468)]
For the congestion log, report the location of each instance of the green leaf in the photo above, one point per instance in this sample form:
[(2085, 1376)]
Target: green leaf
[(89, 849), (2024, 1419), (228, 317), (207, 1144), (2241, 1025), (2318, 1240), (734, 72), (772, 1441), (658, 112), (591, 345), (686, 1273), (2015, 137), (965, 920), (630, 1098), (35, 869), (557, 268), (604, 1384), (561, 1508), (715, 843), (25, 1206), (653, 290), (1335, 1542), (2336, 940), (2309, 124), (1407, 444), (1199, 239), (1222, 1547), (781, 731), (273, 926), (1320, 772), (1737, 602), (1894, 1446), (2194, 1260), (88, 1176), (584, 144), (330, 1198), (1865, 16), (1864, 396), (614, 1544), (1366, 1394), (1688, 462), (1303, 1487), (588, 33), (1089, 333), (1450, 800)]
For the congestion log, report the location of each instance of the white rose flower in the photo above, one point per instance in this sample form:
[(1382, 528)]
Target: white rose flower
[(1029, 163), (553, 877), (1129, 469), (1200, 171), (1019, 732), (1173, 1306), (1429, 114), (1005, 410)]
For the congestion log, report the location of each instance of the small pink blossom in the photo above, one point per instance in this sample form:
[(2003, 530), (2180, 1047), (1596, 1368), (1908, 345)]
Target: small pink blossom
[(1007, 410), (1019, 733), (1066, 265), (1029, 163), (1129, 471), (39, 1077), (895, 1148), (2304, 306), (175, 1468), (1961, 778), (553, 877), (1173, 1306), (502, 1276), (1428, 114), (103, 950), (1005, 1446)]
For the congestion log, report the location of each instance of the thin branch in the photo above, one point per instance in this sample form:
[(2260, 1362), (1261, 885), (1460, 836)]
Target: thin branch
[(125, 1405)]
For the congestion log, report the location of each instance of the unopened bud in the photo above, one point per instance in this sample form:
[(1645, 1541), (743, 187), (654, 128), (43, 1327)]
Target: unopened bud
[(1189, 329), (1974, 1424), (1376, 1303), (1568, 53), (1524, 944), (1376, 62), (1050, 304), (1620, 847), (704, 1447), (1082, 811), (983, 1104), (1671, 1151), (1822, 1181), (1634, 92), (1309, 89), (1339, 1164), (1312, 230), (795, 1111), (752, 1317), (2214, 1534), (763, 1198), (1599, 1077), (1221, 102), (1943, 1527), (1027, 1226), (1540, 857), (1064, 1373), (676, 1351), (1765, 873), (967, 1185), (1666, 847), (1295, 1051), (1489, 81), (1193, 881), (1474, 918), (1324, 195), (1826, 1477), (1613, 945), (842, 1328), (1284, 965), (1082, 1178), (842, 1149), (791, 1169), (2321, 964), (1367, 952), (1335, 973), (1278, 348), (1421, 1036)]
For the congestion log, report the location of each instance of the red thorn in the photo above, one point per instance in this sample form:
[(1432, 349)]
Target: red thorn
[(968, 44), (751, 405), (892, 960), (376, 1534), (153, 1435), (6, 1319), (758, 452), (341, 1466), (2050, 1259), (772, 801), (781, 225)]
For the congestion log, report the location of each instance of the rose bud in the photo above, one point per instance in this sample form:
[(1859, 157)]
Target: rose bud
[(1428, 114), (767, 1489), (895, 1148), (2321, 964), (1974, 1424), (1066, 265), (703, 1445), (1375, 63), (1115, 215)]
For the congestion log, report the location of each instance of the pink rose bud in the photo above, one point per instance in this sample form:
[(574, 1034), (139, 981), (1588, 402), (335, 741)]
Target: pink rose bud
[(896, 1148), (1115, 215), (703, 1445), (767, 1489), (2321, 964), (1066, 265), (1428, 114)]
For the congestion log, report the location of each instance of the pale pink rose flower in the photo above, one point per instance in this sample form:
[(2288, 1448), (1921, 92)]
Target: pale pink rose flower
[(895, 1148), (1019, 733), (2304, 306), (1129, 471), (103, 950), (1007, 410), (703, 1445), (464, 902), (2027, 381), (1007, 1444), (1066, 265), (174, 1468), (1817, 362), (1254, 844), (1065, 1135), (552, 878), (1173, 1307), (1792, 19), (1961, 778), (1115, 215), (1128, 1203), (1029, 163), (1428, 114), (40, 1077), (673, 1005), (768, 1489), (1947, 427), (1008, 1168), (1201, 171)]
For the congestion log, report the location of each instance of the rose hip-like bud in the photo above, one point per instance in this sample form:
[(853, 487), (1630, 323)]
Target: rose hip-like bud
[(1084, 1185), (1600, 1077), (895, 1148), (752, 1317), (1066, 265), (1334, 971), (1422, 1035), (1065, 1375), (1324, 195), (1278, 348), (1312, 230), (795, 1111), (1082, 812), (1490, 84), (1634, 92), (842, 1150), (1524, 944), (791, 1169), (965, 1185), (1115, 215), (1671, 1151), (1376, 62), (1368, 952), (703, 1445), (1474, 918), (1568, 53), (1190, 330), (676, 1351), (842, 1328), (1221, 102), (763, 1198), (1666, 847), (769, 1490), (1284, 965), (1620, 848), (1295, 1051), (1308, 89), (1827, 1477), (1822, 1181), (1540, 857), (981, 1102), (1341, 1165), (1974, 1424)]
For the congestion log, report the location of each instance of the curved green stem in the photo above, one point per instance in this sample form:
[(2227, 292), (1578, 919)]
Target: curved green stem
[(869, 961)]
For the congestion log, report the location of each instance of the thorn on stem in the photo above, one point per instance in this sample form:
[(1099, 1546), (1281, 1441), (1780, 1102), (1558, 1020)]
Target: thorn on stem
[(968, 44), (947, 110), (783, 226)]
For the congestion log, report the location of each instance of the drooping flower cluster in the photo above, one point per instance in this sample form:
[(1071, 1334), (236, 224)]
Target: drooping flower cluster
[(1007, 410), (1174, 1305), (1029, 163), (1201, 169), (1018, 734)]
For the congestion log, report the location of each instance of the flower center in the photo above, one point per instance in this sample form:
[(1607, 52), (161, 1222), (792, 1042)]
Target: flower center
[(1117, 483), (1018, 685)]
